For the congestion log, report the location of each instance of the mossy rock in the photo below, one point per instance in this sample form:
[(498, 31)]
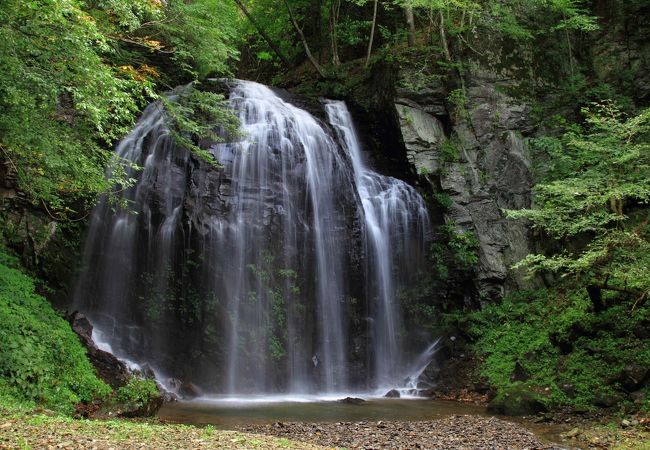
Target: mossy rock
[(140, 397), (517, 400)]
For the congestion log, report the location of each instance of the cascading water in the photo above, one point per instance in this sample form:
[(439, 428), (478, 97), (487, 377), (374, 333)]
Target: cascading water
[(396, 224), (247, 279)]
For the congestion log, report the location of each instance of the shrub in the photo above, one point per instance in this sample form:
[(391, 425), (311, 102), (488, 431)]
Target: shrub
[(41, 359), (138, 392), (559, 340)]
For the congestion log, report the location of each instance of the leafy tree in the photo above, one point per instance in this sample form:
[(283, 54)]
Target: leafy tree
[(599, 194), (74, 74), (201, 34)]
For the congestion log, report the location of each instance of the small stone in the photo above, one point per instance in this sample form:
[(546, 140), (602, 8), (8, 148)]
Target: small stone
[(572, 433), (569, 390)]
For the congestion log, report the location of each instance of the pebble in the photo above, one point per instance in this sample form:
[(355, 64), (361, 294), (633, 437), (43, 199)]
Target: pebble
[(455, 432)]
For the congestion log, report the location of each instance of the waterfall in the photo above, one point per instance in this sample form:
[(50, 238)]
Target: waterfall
[(277, 273), (396, 223)]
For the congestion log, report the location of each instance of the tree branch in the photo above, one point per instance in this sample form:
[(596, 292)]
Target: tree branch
[(312, 60), (262, 33)]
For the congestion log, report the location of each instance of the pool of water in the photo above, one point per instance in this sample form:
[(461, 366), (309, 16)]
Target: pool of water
[(233, 413)]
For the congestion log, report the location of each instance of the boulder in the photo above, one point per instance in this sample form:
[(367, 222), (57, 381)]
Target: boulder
[(146, 408), (519, 373), (393, 393), (569, 390), (189, 391), (607, 400), (517, 400), (637, 397), (633, 377), (168, 397)]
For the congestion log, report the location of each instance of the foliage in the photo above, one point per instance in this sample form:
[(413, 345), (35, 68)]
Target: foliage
[(464, 246), (450, 149), (201, 34), (74, 74), (138, 392), (458, 99), (193, 115), (559, 340), (41, 359), (514, 19), (59, 99), (598, 191)]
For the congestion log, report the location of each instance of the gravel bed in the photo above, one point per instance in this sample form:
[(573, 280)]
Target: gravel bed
[(455, 432)]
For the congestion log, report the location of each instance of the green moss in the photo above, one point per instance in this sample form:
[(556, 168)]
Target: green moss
[(41, 359), (517, 400), (558, 340)]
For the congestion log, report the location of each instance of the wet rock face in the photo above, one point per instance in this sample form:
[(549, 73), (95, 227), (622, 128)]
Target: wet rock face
[(476, 155), (110, 369)]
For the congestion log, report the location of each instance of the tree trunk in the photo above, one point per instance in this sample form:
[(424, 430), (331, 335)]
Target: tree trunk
[(311, 58), (372, 32), (443, 37), (335, 8), (262, 33), (569, 48), (410, 21)]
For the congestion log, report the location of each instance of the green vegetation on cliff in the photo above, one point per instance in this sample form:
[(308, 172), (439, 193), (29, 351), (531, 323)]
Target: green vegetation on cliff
[(597, 192), (41, 359)]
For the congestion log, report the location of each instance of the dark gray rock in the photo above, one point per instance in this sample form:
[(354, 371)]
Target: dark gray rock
[(393, 393), (633, 377), (519, 373), (607, 400), (189, 391), (144, 408), (642, 330), (569, 390), (637, 396), (482, 162), (517, 400)]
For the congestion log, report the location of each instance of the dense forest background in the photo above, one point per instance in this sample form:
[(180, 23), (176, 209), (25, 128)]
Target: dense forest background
[(74, 75)]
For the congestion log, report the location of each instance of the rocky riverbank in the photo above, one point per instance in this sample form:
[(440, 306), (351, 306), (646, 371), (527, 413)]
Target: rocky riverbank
[(455, 432)]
